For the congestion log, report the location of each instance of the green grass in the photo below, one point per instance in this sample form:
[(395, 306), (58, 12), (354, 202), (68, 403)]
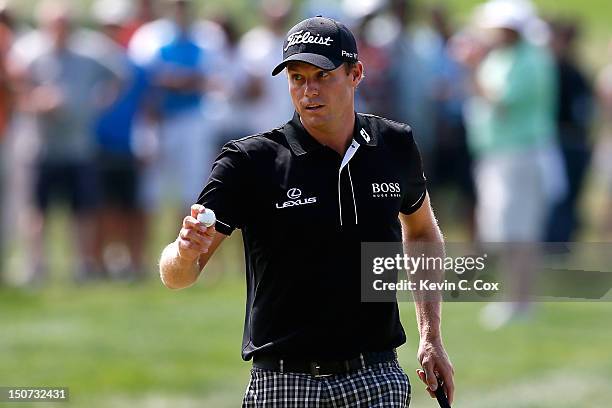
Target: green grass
[(145, 346), (142, 345)]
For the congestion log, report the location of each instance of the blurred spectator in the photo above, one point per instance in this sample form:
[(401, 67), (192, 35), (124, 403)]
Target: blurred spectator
[(64, 95), (375, 33), (511, 130), (230, 85), (6, 91), (411, 76), (6, 111), (142, 13), (259, 49), (604, 146), (178, 70), (574, 115), (121, 220), (452, 161)]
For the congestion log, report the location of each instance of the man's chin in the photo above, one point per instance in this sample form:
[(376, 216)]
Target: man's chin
[(315, 116), (315, 122)]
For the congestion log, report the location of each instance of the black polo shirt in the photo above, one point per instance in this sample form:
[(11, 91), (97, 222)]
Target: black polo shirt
[(304, 211)]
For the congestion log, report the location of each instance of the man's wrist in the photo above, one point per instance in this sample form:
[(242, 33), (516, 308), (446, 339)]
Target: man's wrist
[(431, 337)]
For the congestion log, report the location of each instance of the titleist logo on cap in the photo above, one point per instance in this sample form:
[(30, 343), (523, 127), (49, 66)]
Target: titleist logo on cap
[(301, 37)]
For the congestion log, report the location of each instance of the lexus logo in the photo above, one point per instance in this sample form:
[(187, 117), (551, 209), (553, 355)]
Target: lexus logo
[(294, 193)]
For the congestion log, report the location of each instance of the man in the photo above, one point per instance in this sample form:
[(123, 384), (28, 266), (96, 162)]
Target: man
[(257, 57), (518, 173), (178, 79), (603, 151), (302, 195), (574, 115), (64, 95), (117, 164)]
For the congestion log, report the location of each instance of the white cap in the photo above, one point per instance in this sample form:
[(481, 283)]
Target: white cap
[(356, 10), (111, 12), (510, 14)]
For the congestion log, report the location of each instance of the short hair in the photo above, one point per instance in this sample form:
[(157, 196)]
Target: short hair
[(350, 65)]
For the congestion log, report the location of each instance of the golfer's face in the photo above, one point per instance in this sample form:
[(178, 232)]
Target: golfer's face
[(320, 97)]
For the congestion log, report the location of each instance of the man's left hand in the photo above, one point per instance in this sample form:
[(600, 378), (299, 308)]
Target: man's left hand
[(435, 362)]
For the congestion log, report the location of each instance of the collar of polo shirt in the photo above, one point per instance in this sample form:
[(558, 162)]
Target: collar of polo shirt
[(301, 142)]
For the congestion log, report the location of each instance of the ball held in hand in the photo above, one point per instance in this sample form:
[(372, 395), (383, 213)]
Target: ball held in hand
[(207, 217)]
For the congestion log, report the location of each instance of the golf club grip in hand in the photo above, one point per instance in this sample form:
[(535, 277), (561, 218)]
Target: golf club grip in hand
[(441, 396)]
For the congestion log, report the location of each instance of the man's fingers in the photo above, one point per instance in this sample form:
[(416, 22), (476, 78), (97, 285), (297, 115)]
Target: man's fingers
[(196, 209), (210, 231), (193, 223), (431, 380), (449, 383), (196, 237), (423, 378), (421, 375), (189, 222), (446, 375), (450, 393)]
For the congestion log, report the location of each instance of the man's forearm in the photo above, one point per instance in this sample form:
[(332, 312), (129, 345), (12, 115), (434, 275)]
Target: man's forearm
[(427, 303), (428, 315), (177, 272)]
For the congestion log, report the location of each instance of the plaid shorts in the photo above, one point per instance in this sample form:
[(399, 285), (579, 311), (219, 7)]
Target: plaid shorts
[(380, 385)]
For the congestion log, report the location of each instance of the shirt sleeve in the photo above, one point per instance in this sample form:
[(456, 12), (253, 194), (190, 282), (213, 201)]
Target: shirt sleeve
[(416, 184), (226, 189)]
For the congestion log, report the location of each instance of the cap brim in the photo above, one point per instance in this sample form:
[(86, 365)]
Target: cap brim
[(317, 60)]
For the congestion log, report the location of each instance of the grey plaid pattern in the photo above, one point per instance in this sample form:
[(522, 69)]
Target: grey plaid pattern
[(383, 385)]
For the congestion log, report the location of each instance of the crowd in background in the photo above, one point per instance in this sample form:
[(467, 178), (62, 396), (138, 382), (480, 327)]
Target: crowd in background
[(116, 119)]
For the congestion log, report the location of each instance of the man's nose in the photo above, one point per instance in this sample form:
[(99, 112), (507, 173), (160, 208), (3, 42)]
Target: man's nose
[(312, 88)]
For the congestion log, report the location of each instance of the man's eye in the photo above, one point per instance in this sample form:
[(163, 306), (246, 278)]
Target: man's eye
[(297, 77), (323, 74)]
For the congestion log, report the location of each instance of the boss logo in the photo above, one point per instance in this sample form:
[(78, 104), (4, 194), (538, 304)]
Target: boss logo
[(383, 190)]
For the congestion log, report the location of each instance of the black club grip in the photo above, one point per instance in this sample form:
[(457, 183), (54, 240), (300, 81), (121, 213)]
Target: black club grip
[(441, 396)]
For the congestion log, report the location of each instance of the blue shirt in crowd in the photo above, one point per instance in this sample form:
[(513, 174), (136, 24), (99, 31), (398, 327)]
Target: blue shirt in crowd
[(114, 127), (182, 56)]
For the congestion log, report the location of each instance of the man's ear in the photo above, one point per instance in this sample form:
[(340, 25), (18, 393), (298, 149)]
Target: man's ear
[(357, 73)]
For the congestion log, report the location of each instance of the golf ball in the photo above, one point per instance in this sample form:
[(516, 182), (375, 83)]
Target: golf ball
[(207, 217)]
